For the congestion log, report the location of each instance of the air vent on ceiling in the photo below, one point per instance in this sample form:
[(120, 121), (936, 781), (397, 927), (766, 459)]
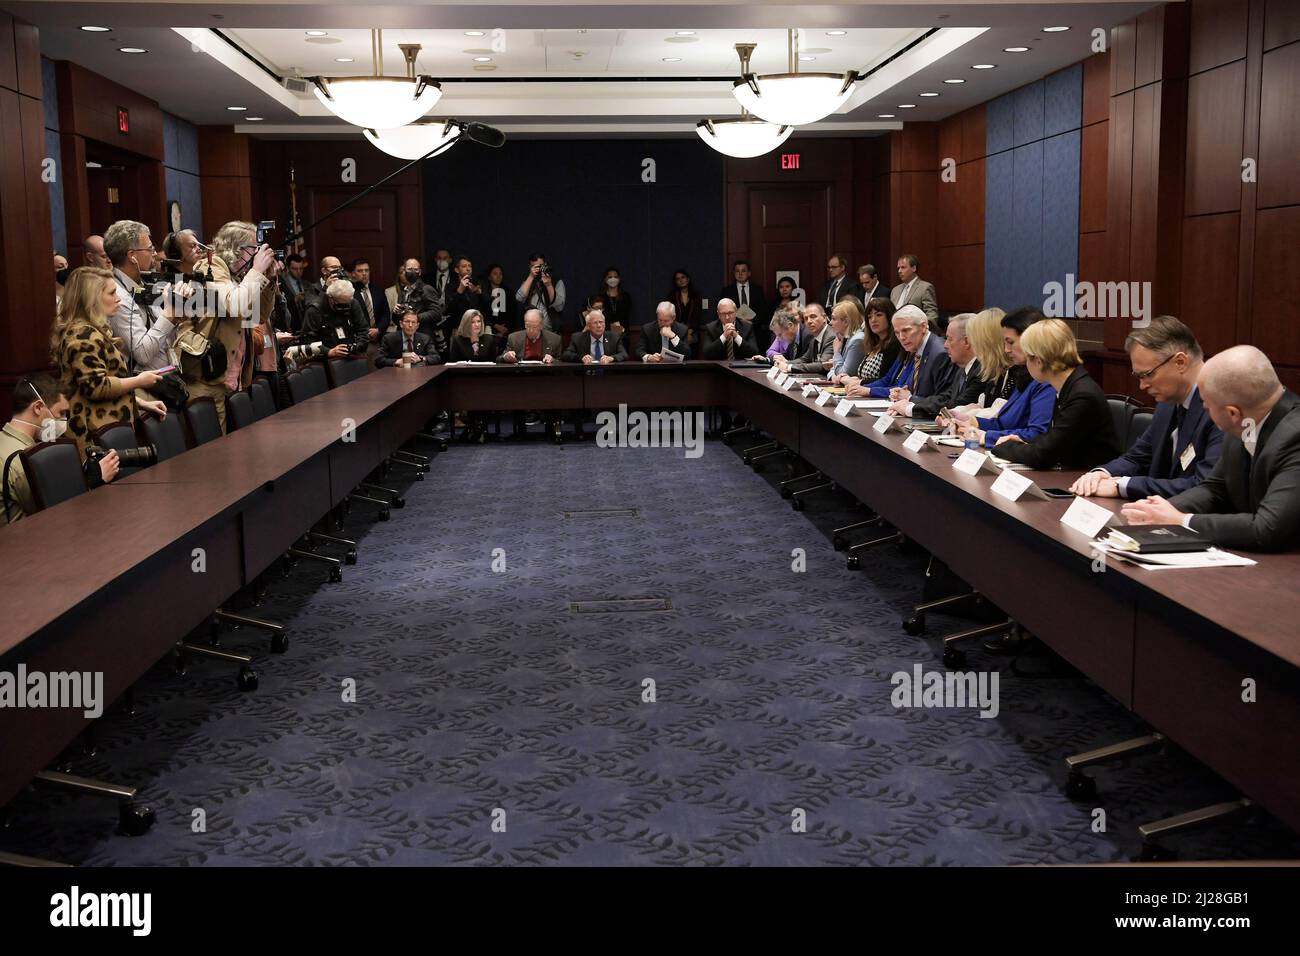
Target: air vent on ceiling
[(294, 85)]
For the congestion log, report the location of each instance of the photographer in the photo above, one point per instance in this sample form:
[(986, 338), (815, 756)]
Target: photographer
[(541, 291), (40, 404), (330, 269), (420, 298), (138, 321), (337, 323), (463, 294), (218, 351), (182, 250)]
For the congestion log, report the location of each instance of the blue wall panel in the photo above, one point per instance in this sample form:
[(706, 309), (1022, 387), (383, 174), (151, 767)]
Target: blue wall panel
[(1061, 170), (1000, 119), (1028, 102), (50, 94), (181, 169), (999, 261), (58, 218), (1027, 224), (1063, 101)]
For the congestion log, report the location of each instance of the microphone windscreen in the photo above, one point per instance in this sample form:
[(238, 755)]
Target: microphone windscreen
[(484, 135)]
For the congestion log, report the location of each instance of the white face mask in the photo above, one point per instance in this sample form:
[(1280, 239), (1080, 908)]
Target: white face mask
[(49, 428), (612, 282), (444, 265)]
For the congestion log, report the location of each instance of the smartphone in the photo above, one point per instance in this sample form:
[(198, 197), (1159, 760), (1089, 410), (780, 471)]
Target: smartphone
[(1058, 493), (165, 369)]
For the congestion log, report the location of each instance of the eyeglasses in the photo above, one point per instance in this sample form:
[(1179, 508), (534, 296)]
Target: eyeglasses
[(149, 248), (1143, 376)]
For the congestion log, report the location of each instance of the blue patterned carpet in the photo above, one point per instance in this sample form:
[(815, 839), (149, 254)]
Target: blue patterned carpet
[(479, 690)]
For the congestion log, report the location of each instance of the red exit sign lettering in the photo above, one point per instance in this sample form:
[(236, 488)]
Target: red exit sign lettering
[(789, 160), (123, 121)]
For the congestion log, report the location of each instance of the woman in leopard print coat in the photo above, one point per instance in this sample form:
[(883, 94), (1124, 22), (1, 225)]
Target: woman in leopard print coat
[(93, 361)]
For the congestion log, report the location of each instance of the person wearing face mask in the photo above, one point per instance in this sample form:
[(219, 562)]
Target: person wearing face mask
[(241, 281), (40, 404), (419, 297), (443, 280), (338, 323), (60, 277), (92, 361), (618, 303)]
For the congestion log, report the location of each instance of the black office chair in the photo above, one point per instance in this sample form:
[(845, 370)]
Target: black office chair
[(1139, 423), (263, 398), (239, 411), (54, 472), (120, 437), (344, 370), (1121, 413), (201, 415), (307, 383), (167, 435)]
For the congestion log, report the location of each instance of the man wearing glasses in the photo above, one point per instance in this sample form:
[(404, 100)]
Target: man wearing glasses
[(1182, 444), (148, 334)]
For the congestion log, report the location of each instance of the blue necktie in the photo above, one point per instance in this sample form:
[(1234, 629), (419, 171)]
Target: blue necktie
[(600, 352)]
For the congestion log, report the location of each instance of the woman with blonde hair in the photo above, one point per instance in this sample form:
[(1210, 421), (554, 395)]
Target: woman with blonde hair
[(848, 319), (93, 361), (985, 334)]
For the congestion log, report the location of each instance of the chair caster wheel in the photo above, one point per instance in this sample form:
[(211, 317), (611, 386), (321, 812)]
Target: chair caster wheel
[(786, 493), (1155, 853), (914, 625), (247, 679), (952, 657), (399, 502), (1080, 786), (134, 819), (419, 476), (421, 470), (797, 504), (442, 445), (853, 562), (279, 642), (336, 574), (350, 557), (178, 664), (384, 514), (838, 543)]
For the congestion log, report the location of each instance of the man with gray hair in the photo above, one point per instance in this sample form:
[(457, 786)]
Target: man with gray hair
[(922, 368), (1252, 498), (337, 321), (728, 336), (664, 334), (819, 344), (964, 388), (138, 320)]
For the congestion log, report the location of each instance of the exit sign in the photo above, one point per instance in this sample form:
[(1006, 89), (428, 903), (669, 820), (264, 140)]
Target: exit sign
[(789, 160), (123, 120)]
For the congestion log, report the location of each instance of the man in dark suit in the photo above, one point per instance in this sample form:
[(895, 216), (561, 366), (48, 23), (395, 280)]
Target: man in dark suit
[(532, 343), (745, 292), (872, 287), (373, 301), (838, 283), (1182, 444), (463, 293), (663, 333), (962, 389), (594, 345), (728, 337), (1252, 498), (336, 321), (818, 354), (922, 368), (407, 346)]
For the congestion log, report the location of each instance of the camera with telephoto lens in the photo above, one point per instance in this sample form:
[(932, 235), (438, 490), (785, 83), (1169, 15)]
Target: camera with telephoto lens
[(141, 457), (299, 354)]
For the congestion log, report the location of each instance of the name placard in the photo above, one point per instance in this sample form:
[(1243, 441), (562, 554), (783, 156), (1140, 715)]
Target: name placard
[(782, 379), (1013, 486), (883, 424), (918, 441), (773, 372), (1085, 517), (790, 383), (824, 398), (972, 462), (845, 408), (809, 391)]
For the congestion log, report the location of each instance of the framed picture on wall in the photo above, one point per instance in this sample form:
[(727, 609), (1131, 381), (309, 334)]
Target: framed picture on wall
[(793, 275)]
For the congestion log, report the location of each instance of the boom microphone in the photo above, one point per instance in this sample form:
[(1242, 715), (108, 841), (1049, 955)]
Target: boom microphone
[(484, 135)]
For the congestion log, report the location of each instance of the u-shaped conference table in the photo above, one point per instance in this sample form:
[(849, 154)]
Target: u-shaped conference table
[(1208, 657)]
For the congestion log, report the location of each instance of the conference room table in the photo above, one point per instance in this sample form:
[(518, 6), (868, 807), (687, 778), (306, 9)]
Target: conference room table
[(112, 579)]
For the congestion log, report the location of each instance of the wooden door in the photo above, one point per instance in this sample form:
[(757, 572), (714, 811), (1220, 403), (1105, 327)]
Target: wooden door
[(789, 229), (367, 229)]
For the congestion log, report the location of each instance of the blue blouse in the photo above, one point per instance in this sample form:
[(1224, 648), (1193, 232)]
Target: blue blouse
[(1027, 414)]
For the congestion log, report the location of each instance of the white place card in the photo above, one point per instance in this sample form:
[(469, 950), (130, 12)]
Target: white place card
[(918, 441), (773, 372), (1087, 518), (972, 462), (782, 379), (790, 383), (824, 398), (1013, 486), (809, 391), (883, 424), (844, 409)]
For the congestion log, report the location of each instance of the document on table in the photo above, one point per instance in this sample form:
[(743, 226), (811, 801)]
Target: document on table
[(530, 362), (668, 355), (1213, 558), (467, 362), (871, 403)]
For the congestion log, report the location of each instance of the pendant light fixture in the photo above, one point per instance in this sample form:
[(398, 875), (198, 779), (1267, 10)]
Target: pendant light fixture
[(378, 101), (743, 136), (794, 98), (416, 139)]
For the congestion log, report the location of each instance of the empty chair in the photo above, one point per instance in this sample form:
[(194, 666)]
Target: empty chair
[(167, 435), (201, 414), (307, 383), (239, 410), (344, 370), (263, 398), (120, 437), (53, 472)]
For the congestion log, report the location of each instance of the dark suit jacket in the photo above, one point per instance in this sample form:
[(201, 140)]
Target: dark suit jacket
[(936, 370), (881, 292), (848, 286), (962, 389), (651, 342), (816, 351), (392, 346), (425, 303), (1153, 459), (713, 347), (757, 301), (580, 345), (1249, 502), (382, 314), (517, 341), (455, 304), (1082, 432), (462, 349), (320, 324)]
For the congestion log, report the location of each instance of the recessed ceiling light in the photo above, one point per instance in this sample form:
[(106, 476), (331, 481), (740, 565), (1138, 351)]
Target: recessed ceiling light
[(807, 59), (474, 33), (97, 29), (929, 94), (1055, 29), (684, 33), (672, 59), (983, 66), (1015, 49), (907, 106), (886, 115), (954, 81), (343, 59), (131, 49), (317, 33), (253, 119), (836, 33), (237, 109), (482, 59)]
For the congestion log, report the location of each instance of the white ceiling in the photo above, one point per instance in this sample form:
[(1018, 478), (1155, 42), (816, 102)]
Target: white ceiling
[(619, 86)]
